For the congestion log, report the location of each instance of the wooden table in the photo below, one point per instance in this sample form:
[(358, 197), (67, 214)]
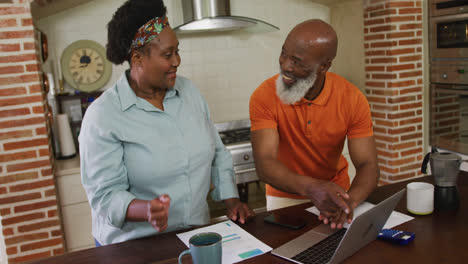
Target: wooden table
[(440, 238)]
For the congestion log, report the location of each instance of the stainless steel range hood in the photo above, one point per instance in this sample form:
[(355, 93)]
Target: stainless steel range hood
[(215, 15)]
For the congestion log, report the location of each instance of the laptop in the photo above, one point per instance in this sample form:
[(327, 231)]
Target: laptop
[(325, 245)]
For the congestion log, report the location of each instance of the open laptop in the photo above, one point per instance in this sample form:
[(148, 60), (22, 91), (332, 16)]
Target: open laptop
[(325, 245)]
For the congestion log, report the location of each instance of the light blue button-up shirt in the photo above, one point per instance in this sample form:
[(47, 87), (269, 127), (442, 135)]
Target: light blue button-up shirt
[(130, 149)]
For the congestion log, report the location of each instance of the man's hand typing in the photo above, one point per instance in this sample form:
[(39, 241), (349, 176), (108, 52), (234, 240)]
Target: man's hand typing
[(333, 202)]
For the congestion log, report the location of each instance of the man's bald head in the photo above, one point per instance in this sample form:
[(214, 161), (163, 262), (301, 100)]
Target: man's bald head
[(316, 34), (306, 56)]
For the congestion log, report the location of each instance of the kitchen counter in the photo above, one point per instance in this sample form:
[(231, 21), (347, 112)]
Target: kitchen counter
[(74, 205), (451, 145), (67, 166)]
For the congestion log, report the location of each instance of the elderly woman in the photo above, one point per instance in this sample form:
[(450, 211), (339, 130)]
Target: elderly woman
[(148, 148)]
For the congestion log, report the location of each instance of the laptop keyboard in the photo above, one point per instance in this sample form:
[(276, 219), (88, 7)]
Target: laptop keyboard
[(321, 252)]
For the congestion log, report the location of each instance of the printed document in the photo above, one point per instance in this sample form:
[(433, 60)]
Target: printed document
[(396, 218), (238, 244)]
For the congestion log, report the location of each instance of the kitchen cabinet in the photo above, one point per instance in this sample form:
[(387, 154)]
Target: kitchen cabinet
[(74, 206)]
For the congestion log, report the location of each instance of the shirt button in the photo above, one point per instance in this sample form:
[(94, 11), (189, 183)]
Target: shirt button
[(308, 122)]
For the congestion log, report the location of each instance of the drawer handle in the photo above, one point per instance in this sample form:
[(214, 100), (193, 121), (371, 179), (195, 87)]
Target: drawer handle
[(444, 76), (244, 171)]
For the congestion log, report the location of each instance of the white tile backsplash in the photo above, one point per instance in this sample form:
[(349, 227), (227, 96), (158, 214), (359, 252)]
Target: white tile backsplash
[(226, 67)]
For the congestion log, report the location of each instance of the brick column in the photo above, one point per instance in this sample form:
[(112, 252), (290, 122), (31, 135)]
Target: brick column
[(394, 84), (28, 202)]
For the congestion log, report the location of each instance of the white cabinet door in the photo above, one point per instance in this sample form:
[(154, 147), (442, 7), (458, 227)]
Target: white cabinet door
[(76, 213), (71, 190), (77, 225)]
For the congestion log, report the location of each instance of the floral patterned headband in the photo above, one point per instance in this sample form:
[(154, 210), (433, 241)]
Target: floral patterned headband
[(149, 31)]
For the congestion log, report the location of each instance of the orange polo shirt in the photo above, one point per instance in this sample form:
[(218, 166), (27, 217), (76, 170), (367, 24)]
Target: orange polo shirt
[(312, 133)]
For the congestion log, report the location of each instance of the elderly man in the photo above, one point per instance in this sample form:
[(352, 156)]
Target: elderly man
[(300, 120)]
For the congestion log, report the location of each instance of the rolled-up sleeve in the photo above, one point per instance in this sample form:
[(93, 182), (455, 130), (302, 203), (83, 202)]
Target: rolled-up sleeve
[(103, 173)]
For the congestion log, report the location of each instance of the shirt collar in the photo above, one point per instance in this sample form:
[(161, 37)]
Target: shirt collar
[(324, 95), (128, 97)]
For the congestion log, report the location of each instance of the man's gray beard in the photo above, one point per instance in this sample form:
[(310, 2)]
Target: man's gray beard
[(294, 93)]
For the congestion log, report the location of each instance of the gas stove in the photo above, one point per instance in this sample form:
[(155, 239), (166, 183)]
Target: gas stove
[(234, 132), (236, 137)]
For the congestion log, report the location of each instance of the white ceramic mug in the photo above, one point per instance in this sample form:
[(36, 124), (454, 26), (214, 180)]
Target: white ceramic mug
[(420, 198)]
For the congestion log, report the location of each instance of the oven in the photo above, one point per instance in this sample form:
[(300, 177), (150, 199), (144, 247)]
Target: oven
[(449, 74), (449, 30), (449, 117), (236, 137), (449, 105), (448, 7)]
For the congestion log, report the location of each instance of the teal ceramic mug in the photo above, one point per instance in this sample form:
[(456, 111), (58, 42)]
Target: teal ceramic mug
[(204, 248)]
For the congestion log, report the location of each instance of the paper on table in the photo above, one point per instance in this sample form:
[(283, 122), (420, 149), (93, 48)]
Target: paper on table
[(396, 218), (238, 244)]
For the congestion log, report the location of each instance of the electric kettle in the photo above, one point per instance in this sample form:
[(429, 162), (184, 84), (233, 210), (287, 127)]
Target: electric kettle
[(445, 167)]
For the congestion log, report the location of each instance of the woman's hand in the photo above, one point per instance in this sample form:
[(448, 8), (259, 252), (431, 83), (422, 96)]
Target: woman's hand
[(158, 212), (237, 211)]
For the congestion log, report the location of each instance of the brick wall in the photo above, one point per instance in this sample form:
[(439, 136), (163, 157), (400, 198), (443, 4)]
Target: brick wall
[(394, 84), (28, 203)]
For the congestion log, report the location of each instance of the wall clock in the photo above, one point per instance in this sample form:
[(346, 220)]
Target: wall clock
[(84, 65)]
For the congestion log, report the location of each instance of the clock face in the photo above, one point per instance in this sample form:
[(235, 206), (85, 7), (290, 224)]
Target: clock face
[(84, 65)]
